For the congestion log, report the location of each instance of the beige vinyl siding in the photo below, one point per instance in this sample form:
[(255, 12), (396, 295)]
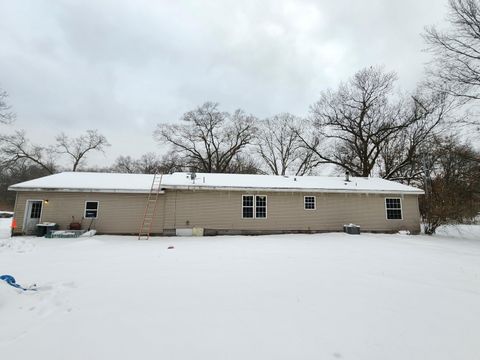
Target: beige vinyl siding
[(222, 210), (117, 213)]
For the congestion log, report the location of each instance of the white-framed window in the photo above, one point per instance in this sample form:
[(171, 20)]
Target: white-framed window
[(91, 210), (254, 206), (260, 206), (309, 202), (393, 207), (248, 206), (36, 209)]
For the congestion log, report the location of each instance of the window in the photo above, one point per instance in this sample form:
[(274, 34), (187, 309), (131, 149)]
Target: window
[(247, 206), (254, 206), (36, 210), (260, 206), (309, 202), (394, 209), (91, 210)]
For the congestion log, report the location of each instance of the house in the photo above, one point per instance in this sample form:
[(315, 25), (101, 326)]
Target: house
[(216, 203)]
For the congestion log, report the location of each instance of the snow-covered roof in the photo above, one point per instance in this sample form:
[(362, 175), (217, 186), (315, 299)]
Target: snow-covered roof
[(141, 183)]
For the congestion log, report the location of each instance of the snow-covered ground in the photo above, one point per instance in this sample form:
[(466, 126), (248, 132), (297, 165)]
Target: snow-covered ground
[(326, 296)]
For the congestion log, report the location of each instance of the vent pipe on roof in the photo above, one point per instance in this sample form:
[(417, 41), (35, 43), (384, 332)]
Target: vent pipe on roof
[(347, 176)]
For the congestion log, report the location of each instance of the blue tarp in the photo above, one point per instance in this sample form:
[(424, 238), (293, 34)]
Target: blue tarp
[(10, 280)]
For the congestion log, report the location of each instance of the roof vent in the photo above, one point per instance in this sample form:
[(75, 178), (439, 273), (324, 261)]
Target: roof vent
[(347, 176)]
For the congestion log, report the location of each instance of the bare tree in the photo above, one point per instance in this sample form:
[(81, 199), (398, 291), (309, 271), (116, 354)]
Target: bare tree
[(23, 170), (401, 156), (124, 164), (208, 139), (149, 163), (456, 64), (17, 148), (453, 189), (353, 123), (244, 163), (78, 148), (6, 116), (280, 146)]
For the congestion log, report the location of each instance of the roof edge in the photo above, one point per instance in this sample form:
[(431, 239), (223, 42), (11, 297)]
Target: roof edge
[(220, 188)]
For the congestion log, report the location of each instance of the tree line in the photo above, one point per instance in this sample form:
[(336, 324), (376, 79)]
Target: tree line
[(364, 126)]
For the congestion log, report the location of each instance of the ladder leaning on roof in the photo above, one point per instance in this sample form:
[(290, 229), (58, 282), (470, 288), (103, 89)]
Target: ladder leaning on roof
[(150, 208)]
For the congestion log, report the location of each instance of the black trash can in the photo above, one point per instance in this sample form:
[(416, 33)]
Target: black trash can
[(46, 229), (41, 230)]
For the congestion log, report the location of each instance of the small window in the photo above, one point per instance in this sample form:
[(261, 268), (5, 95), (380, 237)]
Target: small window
[(254, 206), (394, 209), (91, 210), (309, 202)]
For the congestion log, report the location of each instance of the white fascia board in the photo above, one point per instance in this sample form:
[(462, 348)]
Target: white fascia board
[(303, 190), (113, 191), (225, 188)]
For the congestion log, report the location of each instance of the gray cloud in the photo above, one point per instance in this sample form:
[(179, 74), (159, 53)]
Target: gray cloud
[(123, 66)]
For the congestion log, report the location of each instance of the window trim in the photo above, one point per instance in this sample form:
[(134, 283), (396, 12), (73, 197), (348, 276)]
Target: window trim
[(386, 208), (255, 207), (314, 202), (85, 209)]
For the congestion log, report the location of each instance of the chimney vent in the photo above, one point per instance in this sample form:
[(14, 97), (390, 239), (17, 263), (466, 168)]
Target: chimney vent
[(347, 176)]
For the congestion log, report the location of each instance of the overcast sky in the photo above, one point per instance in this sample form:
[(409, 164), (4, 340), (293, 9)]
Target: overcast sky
[(123, 66)]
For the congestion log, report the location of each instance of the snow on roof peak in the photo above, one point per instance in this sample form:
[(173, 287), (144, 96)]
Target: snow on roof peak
[(131, 183)]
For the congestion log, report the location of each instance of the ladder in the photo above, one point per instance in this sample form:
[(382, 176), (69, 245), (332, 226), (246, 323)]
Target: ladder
[(150, 208)]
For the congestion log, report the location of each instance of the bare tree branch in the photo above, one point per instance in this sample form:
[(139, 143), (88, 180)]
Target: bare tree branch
[(208, 139), (280, 146), (78, 148), (6, 116), (354, 122), (16, 148), (456, 64)]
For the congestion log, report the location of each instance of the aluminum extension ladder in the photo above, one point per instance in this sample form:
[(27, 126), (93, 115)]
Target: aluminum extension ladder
[(150, 208)]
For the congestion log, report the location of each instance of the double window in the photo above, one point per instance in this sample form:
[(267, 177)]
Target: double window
[(91, 210), (254, 206), (393, 206), (309, 202)]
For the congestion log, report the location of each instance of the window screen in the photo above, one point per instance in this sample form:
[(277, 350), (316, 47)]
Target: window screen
[(91, 210), (394, 208)]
